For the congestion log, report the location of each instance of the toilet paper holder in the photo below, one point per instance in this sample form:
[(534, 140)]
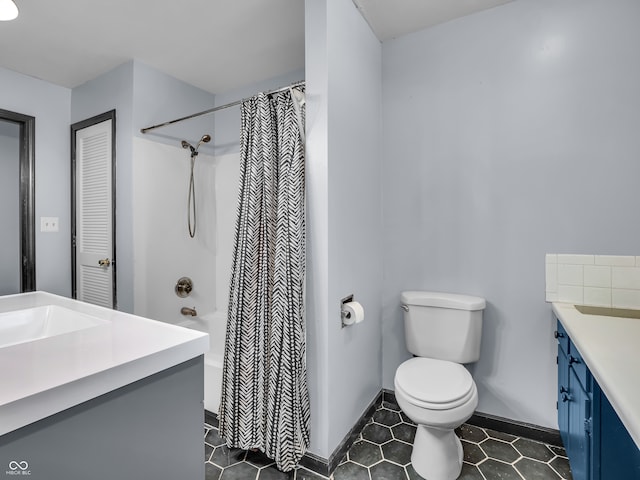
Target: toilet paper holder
[(343, 312)]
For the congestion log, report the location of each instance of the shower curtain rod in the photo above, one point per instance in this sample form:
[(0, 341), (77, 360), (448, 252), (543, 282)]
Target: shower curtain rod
[(215, 109)]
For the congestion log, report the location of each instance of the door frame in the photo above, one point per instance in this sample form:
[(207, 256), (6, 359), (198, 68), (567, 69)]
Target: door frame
[(27, 213), (110, 115)]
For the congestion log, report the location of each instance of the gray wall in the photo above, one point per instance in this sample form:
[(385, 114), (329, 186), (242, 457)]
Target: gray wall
[(227, 121), (114, 90), (10, 265), (509, 134), (344, 216), (49, 104), (141, 96)]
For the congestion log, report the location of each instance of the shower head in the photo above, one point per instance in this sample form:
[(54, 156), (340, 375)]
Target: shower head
[(194, 150), (205, 139)]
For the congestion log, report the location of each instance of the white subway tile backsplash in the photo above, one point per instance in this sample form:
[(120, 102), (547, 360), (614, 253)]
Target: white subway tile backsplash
[(576, 259), (570, 274), (597, 297), (598, 280), (571, 294), (551, 277), (625, 277), (625, 298), (597, 276), (615, 260)]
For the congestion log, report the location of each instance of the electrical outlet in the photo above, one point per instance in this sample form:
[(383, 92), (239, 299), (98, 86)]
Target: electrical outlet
[(48, 224)]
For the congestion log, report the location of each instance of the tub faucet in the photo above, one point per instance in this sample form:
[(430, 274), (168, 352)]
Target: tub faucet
[(188, 311)]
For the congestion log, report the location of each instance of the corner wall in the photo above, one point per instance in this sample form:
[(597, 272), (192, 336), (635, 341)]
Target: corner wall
[(509, 134), (344, 216)]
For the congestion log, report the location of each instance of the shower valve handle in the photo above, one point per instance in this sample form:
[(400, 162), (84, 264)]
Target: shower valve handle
[(184, 287)]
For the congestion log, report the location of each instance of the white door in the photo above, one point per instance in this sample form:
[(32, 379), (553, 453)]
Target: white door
[(93, 241)]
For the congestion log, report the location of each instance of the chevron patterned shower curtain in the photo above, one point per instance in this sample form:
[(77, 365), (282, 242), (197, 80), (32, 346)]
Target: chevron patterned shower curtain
[(265, 402)]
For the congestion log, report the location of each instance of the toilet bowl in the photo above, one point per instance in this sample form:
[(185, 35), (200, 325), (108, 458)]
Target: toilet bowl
[(438, 396), (434, 389)]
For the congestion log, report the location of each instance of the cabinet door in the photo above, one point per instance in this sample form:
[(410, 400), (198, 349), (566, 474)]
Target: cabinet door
[(563, 396), (618, 455), (579, 423)]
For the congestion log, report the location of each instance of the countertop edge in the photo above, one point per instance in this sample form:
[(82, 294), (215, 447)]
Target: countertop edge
[(25, 411)]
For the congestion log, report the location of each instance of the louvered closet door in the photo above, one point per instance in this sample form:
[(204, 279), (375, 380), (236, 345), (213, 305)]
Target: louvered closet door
[(94, 215)]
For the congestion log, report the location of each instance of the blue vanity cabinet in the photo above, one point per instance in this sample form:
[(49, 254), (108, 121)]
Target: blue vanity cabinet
[(574, 406), (598, 445), (616, 453)]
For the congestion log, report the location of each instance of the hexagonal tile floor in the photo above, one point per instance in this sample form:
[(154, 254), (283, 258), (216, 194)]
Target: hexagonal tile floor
[(382, 451)]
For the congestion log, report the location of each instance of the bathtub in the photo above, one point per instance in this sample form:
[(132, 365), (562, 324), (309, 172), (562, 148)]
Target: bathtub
[(215, 324)]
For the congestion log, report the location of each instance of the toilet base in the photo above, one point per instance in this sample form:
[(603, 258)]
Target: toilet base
[(437, 454)]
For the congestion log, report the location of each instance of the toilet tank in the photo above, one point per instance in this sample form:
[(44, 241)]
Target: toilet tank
[(445, 326)]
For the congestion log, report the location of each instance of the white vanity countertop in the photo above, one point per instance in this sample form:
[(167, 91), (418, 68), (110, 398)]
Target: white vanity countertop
[(43, 377), (610, 346)]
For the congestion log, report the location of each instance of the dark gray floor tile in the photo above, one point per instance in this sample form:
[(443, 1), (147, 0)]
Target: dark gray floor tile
[(470, 472), (535, 450), (240, 471), (211, 472), (411, 473), (561, 465), (365, 453), (223, 456), (494, 469), (404, 432), (391, 405), (397, 452), (350, 471), (272, 473), (406, 419), (208, 450), (534, 470), (505, 437), (377, 433), (387, 417), (499, 450), (387, 471), (472, 453), (471, 433), (213, 439)]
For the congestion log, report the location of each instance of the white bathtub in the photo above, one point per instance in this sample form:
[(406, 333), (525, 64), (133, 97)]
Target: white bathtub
[(215, 324)]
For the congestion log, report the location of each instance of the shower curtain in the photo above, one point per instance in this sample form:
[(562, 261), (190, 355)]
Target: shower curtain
[(265, 402)]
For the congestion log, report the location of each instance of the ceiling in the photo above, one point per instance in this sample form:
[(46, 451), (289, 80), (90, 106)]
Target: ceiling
[(216, 45)]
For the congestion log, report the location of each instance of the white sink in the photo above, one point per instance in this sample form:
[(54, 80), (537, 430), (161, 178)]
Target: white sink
[(26, 325)]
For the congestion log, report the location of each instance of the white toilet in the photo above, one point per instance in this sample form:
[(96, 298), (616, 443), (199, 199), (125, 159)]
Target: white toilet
[(433, 389)]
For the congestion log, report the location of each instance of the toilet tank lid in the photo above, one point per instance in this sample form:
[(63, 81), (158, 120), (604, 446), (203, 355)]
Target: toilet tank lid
[(443, 300)]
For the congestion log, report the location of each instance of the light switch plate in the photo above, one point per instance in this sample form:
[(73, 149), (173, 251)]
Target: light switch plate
[(48, 224)]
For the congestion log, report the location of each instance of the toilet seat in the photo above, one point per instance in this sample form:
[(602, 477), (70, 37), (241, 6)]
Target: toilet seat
[(434, 384)]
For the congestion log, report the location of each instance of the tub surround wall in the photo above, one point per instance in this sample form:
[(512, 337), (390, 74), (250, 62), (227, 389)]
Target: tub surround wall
[(161, 181), (508, 134)]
